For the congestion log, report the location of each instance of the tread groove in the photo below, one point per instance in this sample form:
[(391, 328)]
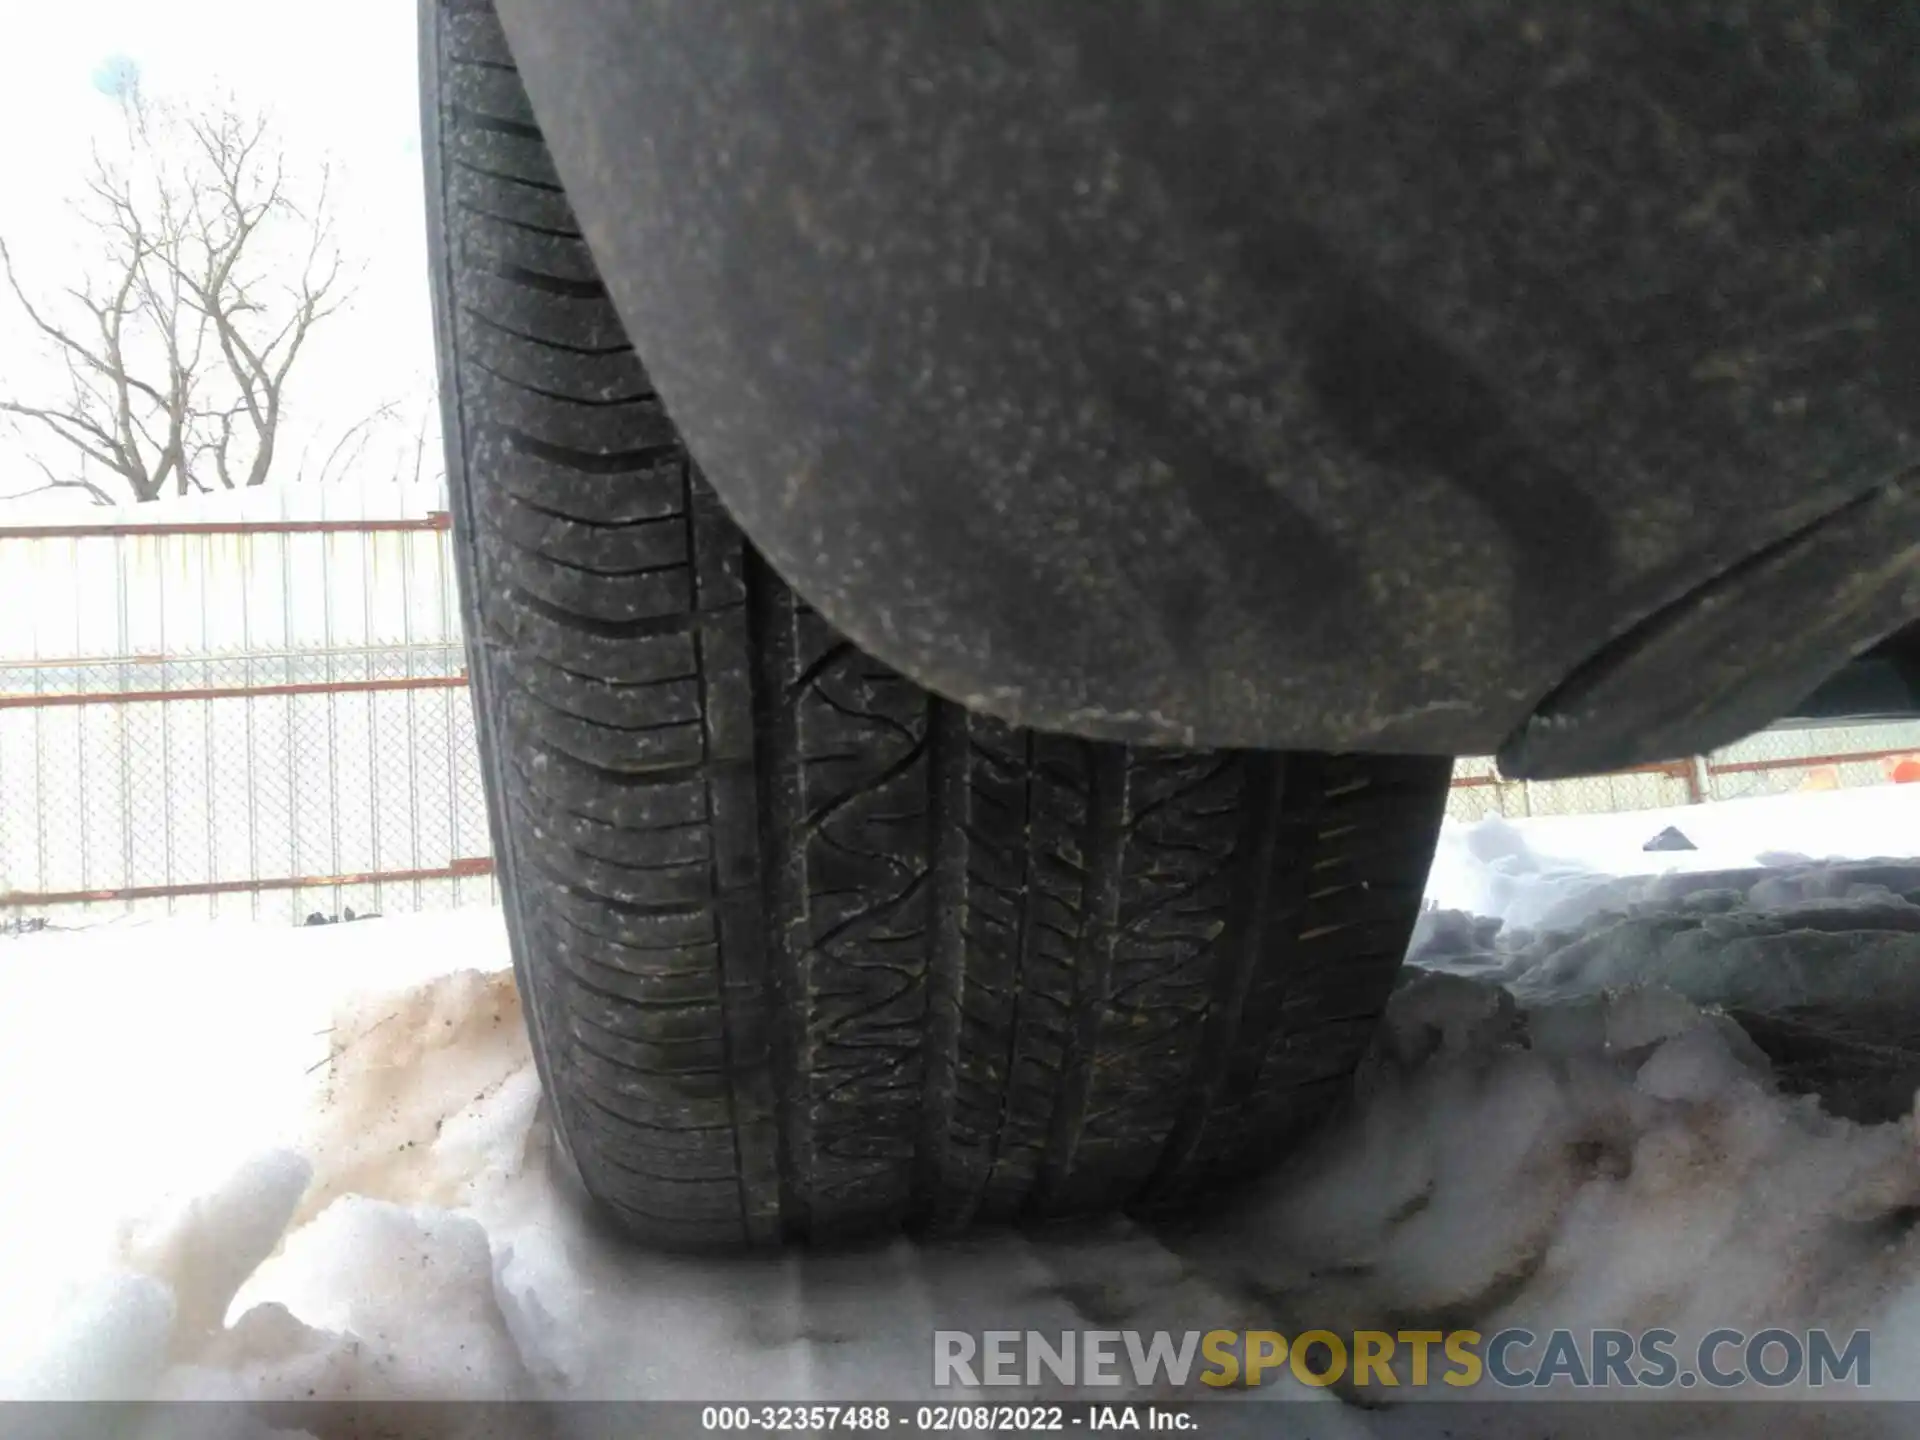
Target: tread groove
[(948, 762), (531, 227), (1107, 822), (501, 178), (776, 747), (615, 462), (1235, 966), (499, 126), (639, 397), (594, 351)]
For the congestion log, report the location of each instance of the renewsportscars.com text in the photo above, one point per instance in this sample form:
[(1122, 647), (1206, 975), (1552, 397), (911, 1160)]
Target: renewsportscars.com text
[(1510, 1359)]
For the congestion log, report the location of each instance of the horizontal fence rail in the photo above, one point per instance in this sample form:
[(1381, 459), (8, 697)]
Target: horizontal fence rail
[(438, 520), (231, 692), (471, 867), (1773, 762)]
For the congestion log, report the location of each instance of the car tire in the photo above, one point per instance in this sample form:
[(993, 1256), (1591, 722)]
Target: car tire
[(806, 951)]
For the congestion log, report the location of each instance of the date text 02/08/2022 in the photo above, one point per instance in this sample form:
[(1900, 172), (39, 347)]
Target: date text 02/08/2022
[(936, 1419)]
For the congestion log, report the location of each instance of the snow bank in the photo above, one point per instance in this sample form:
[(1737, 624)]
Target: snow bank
[(1602, 1100), (1521, 871)]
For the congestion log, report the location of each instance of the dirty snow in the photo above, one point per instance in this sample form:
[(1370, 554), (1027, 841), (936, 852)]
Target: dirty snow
[(1618, 1088)]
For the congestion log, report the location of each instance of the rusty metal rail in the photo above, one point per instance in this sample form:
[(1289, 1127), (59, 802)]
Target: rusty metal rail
[(231, 692), (438, 520), (1686, 770), (1804, 762), (1675, 769), (1706, 779), (469, 868)]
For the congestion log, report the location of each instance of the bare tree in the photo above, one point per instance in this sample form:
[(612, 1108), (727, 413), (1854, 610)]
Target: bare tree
[(207, 266), (396, 440)]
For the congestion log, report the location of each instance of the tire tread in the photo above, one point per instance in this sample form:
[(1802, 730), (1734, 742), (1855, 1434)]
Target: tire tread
[(808, 952)]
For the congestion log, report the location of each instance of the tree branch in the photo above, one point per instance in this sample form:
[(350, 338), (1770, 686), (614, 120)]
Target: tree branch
[(54, 482), (179, 341)]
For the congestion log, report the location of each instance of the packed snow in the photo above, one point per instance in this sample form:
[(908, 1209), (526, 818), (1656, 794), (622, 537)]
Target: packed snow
[(1618, 1087)]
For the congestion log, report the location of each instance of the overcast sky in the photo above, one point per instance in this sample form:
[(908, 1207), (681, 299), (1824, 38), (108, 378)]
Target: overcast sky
[(339, 78)]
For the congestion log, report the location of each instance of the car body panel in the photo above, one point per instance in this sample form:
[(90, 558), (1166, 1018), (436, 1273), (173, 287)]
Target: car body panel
[(1332, 375)]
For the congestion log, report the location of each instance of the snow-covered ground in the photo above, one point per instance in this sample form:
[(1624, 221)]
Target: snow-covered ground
[(1621, 1088)]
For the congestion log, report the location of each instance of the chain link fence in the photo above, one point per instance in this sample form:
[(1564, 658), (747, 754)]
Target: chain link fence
[(1774, 762), (264, 718), (271, 718)]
